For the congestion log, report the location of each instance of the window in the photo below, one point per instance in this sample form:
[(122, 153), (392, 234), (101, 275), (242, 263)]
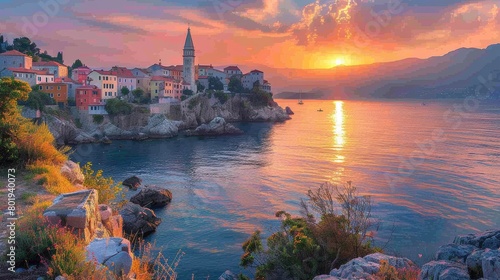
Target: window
[(52, 95), (59, 87), (47, 87), (41, 87), (99, 78), (58, 95)]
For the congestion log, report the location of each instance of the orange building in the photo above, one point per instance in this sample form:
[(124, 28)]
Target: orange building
[(58, 91)]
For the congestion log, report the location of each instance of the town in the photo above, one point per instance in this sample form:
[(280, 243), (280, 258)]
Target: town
[(89, 89)]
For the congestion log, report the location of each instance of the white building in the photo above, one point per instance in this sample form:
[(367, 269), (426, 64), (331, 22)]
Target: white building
[(107, 81), (159, 70), (15, 59), (32, 77), (232, 70), (249, 79), (52, 67)]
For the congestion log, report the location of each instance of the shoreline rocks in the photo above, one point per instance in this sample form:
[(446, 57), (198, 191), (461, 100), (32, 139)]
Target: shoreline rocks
[(152, 197), (218, 126), (133, 182), (138, 219), (114, 253)]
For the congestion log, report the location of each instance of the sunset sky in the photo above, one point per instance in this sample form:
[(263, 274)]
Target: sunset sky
[(276, 33)]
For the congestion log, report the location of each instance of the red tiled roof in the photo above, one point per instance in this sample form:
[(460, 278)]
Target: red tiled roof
[(102, 72), (232, 68), (24, 70), (65, 80), (81, 67), (175, 68), (53, 84), (257, 71), (48, 63), (88, 87), (162, 78), (123, 72), (12, 53), (205, 66), (202, 77)]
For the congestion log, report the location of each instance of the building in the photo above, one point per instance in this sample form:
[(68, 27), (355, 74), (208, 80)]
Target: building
[(232, 70), (52, 67), (266, 86), (58, 91), (72, 85), (89, 95), (203, 70), (107, 81), (32, 77), (157, 85), (143, 79), (80, 74), (159, 70), (125, 78), (250, 78), (176, 71), (15, 59), (189, 74), (203, 80)]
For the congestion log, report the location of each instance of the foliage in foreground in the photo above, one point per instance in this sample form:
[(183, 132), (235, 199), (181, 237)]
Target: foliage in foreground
[(305, 246), (107, 189)]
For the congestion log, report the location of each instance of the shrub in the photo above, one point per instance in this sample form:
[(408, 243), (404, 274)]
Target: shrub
[(38, 100), (193, 103), (108, 190), (261, 98), (389, 272), (304, 247), (116, 106), (52, 180), (98, 119), (223, 97)]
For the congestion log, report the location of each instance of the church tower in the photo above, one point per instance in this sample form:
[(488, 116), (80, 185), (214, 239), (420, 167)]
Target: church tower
[(189, 65)]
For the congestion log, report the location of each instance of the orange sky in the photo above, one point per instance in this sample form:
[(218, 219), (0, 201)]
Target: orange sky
[(275, 33)]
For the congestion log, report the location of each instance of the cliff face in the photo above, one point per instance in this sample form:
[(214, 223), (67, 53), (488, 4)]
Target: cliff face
[(140, 124)]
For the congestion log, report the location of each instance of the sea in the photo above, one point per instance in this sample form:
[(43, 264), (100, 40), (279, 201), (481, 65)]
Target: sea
[(431, 168)]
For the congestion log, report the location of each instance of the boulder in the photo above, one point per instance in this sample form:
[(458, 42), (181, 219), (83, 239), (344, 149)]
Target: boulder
[(159, 126), (72, 172), (217, 126), (106, 140), (139, 220), (474, 264), (454, 252), (490, 262), (112, 223), (152, 197), (366, 267), (228, 275), (488, 239), (133, 182), (289, 111), (114, 253), (78, 211), (444, 270)]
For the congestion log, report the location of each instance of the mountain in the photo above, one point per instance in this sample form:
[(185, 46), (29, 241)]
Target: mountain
[(453, 75)]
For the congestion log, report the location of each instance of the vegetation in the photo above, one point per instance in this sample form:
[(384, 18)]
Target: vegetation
[(215, 84), (261, 98), (187, 92), (124, 91), (97, 119), (389, 272), (322, 239), (138, 93), (235, 85), (37, 100), (200, 87), (222, 96), (116, 106), (108, 190), (76, 64)]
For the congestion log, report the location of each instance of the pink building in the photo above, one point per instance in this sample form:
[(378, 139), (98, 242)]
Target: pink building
[(80, 74)]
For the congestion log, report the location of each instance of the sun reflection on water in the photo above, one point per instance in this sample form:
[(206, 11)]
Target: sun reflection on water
[(338, 128)]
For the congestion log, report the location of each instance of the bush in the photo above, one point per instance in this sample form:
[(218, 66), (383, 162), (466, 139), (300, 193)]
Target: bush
[(193, 103), (52, 180), (116, 106), (71, 102), (389, 272), (304, 247), (78, 123), (261, 98), (98, 119), (223, 97), (38, 100), (108, 190)]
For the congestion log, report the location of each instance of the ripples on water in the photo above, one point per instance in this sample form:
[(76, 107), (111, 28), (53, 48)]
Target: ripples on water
[(224, 188)]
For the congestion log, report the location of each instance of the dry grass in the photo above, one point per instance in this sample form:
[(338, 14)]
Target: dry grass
[(389, 272), (50, 177)]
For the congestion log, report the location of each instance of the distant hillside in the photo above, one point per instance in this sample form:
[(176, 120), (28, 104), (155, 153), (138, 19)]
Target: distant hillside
[(453, 75)]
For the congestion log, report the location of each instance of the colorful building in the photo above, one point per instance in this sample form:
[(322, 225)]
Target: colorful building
[(52, 67), (89, 95), (15, 59), (143, 79), (58, 91), (125, 79), (32, 77), (107, 81), (232, 70), (80, 74), (72, 85)]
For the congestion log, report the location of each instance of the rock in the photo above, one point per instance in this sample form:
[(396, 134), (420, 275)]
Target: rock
[(228, 275), (474, 264), (40, 278), (454, 252), (266, 114), (289, 111), (72, 172), (488, 239), (115, 253), (365, 267), (159, 126), (326, 277), (490, 261), (444, 270), (217, 126), (78, 211), (133, 182), (106, 140), (152, 197), (60, 278), (105, 212), (139, 220)]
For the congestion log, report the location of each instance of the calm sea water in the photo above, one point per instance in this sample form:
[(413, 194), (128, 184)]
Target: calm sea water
[(432, 175)]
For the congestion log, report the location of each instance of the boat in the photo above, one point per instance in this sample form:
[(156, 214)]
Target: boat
[(300, 100), (320, 110)]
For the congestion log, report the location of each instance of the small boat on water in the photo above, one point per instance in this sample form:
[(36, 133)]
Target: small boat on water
[(320, 110), (301, 102)]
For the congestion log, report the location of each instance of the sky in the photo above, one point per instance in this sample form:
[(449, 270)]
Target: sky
[(276, 33)]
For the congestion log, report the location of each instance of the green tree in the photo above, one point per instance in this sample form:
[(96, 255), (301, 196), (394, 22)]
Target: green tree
[(10, 92), (60, 58), (187, 92), (24, 45), (138, 93), (235, 85), (215, 84), (37, 100), (76, 64), (125, 91), (315, 243), (200, 87), (116, 106)]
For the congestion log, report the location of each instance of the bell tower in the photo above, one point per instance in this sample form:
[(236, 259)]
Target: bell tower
[(189, 63)]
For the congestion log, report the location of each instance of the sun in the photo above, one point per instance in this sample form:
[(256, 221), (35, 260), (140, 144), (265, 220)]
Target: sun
[(338, 61)]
